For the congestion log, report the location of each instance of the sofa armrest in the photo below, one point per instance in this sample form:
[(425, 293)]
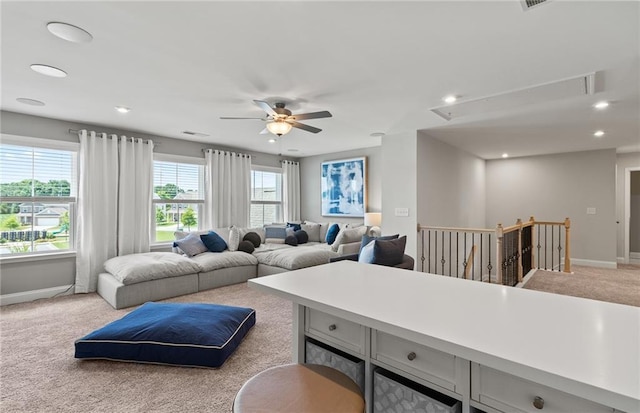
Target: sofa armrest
[(350, 257), (349, 248)]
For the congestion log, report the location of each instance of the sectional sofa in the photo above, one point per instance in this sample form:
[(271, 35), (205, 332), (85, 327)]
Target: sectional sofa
[(137, 278)]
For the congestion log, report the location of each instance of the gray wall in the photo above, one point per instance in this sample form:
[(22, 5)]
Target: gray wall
[(634, 223), (399, 186), (623, 161), (451, 185), (310, 202), (553, 187), (21, 276)]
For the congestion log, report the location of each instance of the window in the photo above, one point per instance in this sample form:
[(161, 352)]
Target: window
[(266, 196), (37, 196), (178, 195)]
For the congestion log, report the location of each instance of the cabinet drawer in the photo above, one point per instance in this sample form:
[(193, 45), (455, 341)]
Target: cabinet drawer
[(509, 393), (335, 330), (427, 363)]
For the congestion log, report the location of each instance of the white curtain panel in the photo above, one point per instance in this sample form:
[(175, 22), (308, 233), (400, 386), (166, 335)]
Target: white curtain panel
[(135, 194), (114, 202), (97, 209), (227, 189), (291, 190)]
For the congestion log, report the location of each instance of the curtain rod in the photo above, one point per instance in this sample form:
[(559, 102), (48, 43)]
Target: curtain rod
[(237, 153), (76, 131)]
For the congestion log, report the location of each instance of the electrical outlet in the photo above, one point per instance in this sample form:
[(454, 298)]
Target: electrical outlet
[(402, 212), (591, 211)]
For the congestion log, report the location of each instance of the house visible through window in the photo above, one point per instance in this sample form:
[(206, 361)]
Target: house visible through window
[(37, 199), (266, 196), (178, 196)]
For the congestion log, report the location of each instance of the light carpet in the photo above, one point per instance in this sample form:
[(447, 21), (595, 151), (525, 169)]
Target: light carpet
[(620, 285), (39, 373)]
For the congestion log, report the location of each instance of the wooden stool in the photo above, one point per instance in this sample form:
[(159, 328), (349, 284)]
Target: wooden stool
[(299, 388)]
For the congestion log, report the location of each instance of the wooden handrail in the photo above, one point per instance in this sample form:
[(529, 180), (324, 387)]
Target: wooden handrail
[(426, 227)]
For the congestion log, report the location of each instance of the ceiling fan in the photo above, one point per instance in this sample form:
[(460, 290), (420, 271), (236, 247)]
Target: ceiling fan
[(280, 120)]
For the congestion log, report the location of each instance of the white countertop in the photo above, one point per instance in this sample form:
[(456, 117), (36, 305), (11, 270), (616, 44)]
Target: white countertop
[(585, 347)]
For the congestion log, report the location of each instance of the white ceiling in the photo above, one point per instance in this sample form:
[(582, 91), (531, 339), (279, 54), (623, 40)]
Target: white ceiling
[(377, 66)]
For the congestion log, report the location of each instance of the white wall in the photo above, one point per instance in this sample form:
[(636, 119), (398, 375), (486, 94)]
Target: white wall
[(399, 187), (21, 276), (310, 202), (451, 185), (623, 161), (553, 187)]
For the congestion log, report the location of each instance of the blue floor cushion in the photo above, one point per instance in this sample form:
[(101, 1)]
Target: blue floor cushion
[(184, 334)]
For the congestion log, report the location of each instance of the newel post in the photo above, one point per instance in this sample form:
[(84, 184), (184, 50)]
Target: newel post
[(533, 238), (519, 223), (499, 236), (567, 250)]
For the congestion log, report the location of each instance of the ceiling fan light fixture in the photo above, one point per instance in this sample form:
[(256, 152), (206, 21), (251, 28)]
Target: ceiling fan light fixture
[(279, 127)]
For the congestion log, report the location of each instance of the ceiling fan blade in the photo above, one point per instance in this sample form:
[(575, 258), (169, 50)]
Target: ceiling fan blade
[(264, 131), (305, 127), (265, 106), (312, 115), (228, 117)]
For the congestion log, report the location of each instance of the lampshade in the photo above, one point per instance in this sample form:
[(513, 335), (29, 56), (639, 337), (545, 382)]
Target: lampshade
[(373, 219), (279, 127)]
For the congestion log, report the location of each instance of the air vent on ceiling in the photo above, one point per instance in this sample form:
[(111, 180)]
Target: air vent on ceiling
[(528, 4), (188, 132), (560, 89)]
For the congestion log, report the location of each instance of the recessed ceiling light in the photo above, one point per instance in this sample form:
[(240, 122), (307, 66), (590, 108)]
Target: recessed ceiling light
[(31, 102), (123, 109), (598, 134), (449, 99), (505, 155), (272, 140), (377, 134), (601, 105), (69, 32), (48, 70)]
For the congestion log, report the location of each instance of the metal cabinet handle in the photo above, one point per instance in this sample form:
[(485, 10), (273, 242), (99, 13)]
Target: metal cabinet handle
[(411, 356), (538, 402), (332, 327)]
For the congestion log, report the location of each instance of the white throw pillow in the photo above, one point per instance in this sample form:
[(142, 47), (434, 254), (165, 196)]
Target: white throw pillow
[(348, 235), (236, 234), (313, 231)]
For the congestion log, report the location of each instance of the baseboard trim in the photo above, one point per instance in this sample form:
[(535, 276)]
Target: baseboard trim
[(26, 296), (620, 260), (594, 263), (634, 255)]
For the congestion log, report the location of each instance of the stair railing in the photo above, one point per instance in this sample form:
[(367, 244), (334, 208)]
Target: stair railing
[(470, 253)]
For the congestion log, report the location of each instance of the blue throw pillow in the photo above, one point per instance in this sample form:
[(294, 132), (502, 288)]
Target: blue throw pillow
[(213, 242), (366, 239), (275, 232), (332, 233), (296, 227), (390, 252), (366, 253)]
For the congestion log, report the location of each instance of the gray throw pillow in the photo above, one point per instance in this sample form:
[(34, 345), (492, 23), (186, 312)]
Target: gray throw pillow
[(254, 238), (191, 245), (389, 253), (366, 239), (291, 240), (246, 246)]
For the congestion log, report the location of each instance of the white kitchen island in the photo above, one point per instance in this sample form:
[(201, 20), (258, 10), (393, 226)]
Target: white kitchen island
[(492, 347)]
